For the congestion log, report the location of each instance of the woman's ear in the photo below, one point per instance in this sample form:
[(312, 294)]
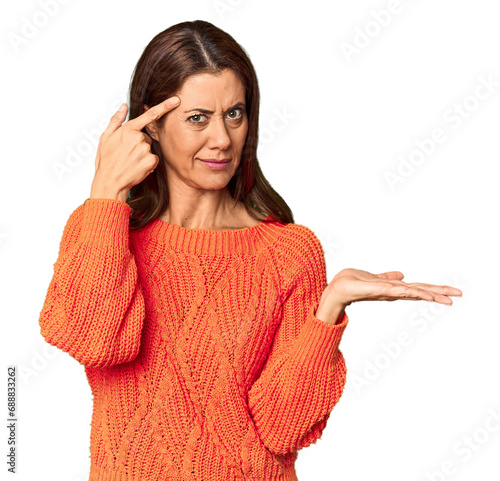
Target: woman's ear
[(151, 128)]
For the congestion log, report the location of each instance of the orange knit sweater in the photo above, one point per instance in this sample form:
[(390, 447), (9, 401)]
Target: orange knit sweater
[(202, 350)]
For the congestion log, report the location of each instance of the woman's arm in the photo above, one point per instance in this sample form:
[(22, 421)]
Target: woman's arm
[(305, 372), (94, 308)]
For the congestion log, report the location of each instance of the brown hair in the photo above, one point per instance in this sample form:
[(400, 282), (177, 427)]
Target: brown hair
[(173, 55)]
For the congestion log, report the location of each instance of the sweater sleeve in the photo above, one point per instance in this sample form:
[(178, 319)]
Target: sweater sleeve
[(305, 372), (94, 308)]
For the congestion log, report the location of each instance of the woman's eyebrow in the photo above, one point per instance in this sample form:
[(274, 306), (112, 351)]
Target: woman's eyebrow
[(205, 111)]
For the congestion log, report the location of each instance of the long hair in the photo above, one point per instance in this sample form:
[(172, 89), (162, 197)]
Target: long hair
[(186, 49)]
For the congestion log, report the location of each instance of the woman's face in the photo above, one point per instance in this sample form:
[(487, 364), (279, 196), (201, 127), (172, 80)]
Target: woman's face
[(210, 123)]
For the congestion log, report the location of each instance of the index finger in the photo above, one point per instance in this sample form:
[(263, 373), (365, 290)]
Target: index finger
[(154, 113)]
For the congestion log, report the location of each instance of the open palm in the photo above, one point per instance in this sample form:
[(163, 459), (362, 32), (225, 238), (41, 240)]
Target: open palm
[(352, 285)]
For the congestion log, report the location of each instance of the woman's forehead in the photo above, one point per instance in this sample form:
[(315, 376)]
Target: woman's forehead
[(213, 90)]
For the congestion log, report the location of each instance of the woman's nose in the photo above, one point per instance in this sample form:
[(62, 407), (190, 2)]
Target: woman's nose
[(218, 136)]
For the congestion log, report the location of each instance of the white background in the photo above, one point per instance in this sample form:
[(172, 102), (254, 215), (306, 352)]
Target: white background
[(359, 87)]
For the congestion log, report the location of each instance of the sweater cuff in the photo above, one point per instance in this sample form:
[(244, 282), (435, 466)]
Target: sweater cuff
[(318, 341), (106, 222)]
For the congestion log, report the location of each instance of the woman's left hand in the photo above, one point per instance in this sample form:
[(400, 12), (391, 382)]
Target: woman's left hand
[(353, 285)]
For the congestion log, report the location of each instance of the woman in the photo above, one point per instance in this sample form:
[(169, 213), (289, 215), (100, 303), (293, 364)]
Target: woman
[(200, 311)]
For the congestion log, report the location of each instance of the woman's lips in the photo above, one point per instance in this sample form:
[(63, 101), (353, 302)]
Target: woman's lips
[(216, 164)]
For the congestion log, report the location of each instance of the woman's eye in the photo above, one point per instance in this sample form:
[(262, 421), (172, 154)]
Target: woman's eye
[(196, 119), (235, 111)]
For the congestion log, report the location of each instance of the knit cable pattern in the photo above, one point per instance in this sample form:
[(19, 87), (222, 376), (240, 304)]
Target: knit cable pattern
[(202, 350)]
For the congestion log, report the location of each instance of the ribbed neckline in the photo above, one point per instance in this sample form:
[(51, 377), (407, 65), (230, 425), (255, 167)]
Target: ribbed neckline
[(214, 242)]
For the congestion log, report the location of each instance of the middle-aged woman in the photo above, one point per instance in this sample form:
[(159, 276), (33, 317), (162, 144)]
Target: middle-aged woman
[(200, 311)]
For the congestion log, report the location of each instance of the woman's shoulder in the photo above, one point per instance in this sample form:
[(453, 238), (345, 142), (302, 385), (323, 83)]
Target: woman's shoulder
[(297, 243)]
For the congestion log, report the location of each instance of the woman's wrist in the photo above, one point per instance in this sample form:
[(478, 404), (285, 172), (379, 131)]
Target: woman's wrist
[(99, 192), (330, 310)]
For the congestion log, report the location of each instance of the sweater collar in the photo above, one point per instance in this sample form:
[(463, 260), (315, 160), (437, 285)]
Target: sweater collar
[(213, 242)]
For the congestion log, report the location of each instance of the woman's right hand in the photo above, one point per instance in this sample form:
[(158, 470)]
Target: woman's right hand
[(124, 156)]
